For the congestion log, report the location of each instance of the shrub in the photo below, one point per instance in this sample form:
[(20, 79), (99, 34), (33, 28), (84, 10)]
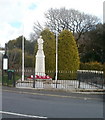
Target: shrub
[(91, 66), (29, 60), (68, 57)]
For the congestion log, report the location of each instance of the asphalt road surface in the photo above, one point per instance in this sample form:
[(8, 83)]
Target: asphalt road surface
[(33, 104)]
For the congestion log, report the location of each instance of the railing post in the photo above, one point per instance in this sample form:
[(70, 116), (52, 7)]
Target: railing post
[(102, 80), (56, 83), (56, 78), (14, 82), (79, 83), (34, 80), (2, 77), (79, 78)]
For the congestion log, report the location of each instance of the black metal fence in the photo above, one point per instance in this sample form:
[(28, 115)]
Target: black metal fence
[(91, 78), (68, 80), (83, 79)]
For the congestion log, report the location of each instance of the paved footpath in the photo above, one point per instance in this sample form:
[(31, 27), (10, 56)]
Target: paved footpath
[(56, 92)]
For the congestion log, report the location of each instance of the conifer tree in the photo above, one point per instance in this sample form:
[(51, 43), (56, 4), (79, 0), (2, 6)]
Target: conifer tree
[(68, 57)]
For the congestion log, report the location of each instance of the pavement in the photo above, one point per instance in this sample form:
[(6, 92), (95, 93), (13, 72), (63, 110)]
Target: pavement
[(66, 86), (56, 93), (66, 89)]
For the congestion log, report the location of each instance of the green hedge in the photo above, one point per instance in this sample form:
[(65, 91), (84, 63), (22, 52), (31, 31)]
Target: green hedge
[(91, 66), (63, 75)]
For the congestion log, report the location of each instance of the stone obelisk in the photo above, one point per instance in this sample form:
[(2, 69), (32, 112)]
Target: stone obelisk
[(40, 58)]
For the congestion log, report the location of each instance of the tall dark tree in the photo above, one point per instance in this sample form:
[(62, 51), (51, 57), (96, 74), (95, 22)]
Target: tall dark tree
[(16, 43), (94, 42)]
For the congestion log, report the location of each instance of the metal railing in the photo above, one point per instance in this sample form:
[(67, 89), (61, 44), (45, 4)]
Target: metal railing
[(81, 79)]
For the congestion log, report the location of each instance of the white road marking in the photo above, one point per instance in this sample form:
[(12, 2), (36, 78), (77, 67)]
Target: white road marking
[(23, 115)]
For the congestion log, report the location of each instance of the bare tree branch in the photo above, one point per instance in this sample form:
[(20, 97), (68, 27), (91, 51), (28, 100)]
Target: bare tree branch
[(71, 19), (59, 19)]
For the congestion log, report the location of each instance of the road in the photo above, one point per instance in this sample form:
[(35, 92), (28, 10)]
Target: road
[(25, 104)]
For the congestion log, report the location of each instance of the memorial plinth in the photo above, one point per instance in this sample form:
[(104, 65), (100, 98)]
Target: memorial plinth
[(40, 59)]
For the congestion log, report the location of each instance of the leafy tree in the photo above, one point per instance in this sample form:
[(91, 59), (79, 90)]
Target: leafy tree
[(16, 43), (15, 52), (68, 57), (15, 57), (94, 42), (29, 60), (29, 47)]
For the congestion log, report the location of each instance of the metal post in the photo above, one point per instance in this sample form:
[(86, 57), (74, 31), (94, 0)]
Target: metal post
[(2, 72), (79, 78), (102, 80), (56, 76), (2, 77), (34, 79), (34, 74), (14, 83), (22, 58)]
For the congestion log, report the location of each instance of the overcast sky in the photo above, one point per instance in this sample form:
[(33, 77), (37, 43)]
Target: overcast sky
[(17, 16)]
